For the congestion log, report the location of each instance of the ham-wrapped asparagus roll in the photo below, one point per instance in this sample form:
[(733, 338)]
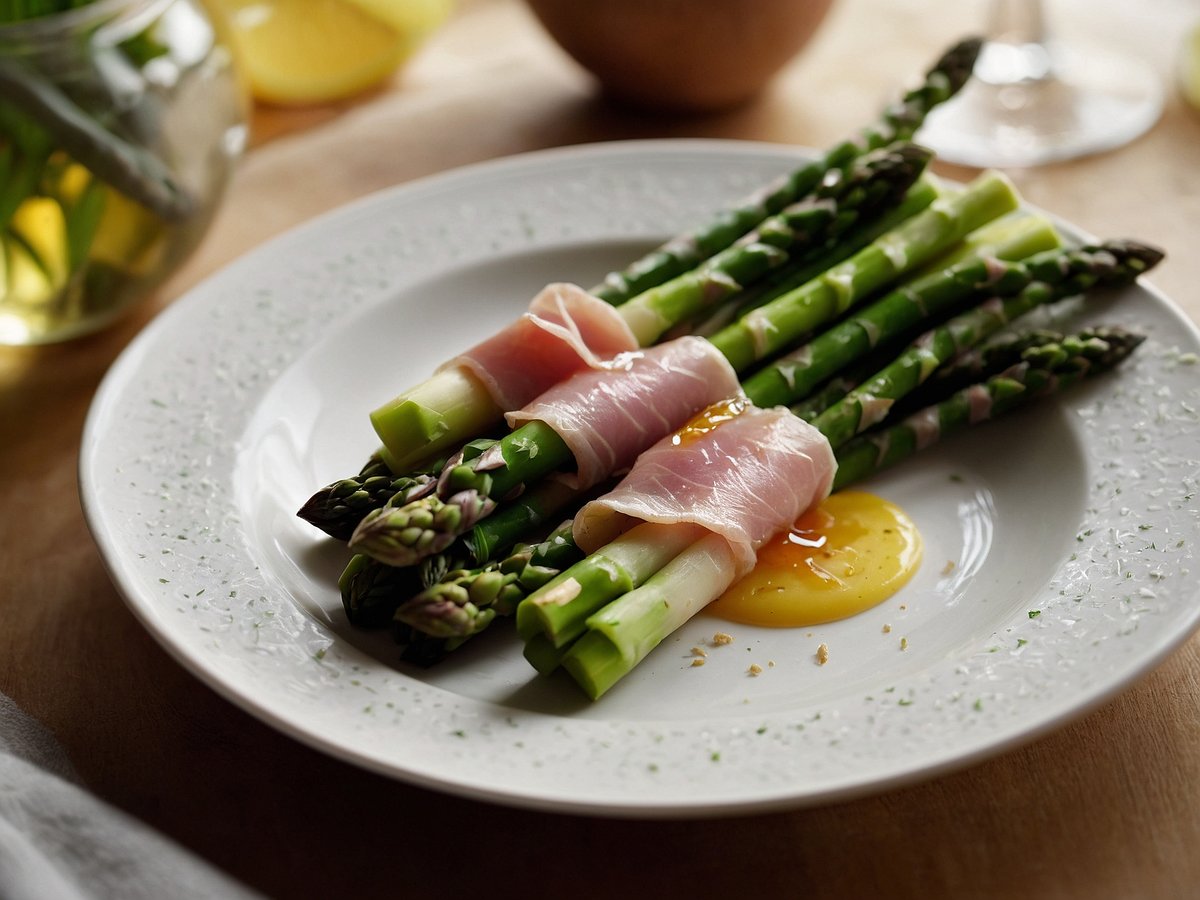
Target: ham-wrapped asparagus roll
[(565, 330), (607, 415), (735, 470)]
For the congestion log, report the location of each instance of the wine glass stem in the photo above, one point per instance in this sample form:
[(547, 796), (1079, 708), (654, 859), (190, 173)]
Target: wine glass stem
[(1017, 21), (1016, 52)]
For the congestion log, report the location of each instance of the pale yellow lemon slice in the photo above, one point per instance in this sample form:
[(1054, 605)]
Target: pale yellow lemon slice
[(312, 51)]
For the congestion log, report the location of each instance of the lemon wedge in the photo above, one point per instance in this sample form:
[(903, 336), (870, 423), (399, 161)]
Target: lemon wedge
[(297, 52), (38, 249)]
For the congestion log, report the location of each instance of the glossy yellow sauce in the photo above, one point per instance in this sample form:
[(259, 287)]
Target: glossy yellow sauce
[(850, 553), (708, 419)]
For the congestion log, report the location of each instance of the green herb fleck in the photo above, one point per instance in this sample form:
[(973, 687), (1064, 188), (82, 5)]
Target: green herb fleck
[(526, 446), (1034, 613)]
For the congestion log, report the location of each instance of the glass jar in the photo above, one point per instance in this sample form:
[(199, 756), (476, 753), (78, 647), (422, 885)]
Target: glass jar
[(120, 121)]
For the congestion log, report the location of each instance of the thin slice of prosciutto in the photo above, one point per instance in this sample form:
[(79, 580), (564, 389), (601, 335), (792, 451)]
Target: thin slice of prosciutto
[(608, 415), (565, 330), (739, 471)]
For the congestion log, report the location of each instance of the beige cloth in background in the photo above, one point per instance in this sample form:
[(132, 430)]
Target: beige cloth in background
[(58, 842)]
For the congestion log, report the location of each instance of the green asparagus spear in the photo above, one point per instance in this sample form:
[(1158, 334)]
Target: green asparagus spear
[(519, 518), (1046, 366), (620, 634), (766, 331), (797, 374), (468, 491), (842, 199), (809, 266), (1058, 276), (369, 589), (979, 364), (465, 601), (899, 121), (372, 591), (1012, 237), (559, 609), (338, 507)]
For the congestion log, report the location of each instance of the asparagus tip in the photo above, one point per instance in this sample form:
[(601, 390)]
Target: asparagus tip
[(958, 62), (1147, 255)]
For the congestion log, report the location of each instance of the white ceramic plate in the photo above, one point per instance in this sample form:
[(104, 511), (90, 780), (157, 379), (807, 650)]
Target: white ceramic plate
[(1058, 542)]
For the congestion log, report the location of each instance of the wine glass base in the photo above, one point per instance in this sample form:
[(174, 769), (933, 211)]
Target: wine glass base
[(1091, 102)]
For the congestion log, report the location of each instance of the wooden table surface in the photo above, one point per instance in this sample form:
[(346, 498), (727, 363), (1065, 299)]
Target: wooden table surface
[(1107, 807)]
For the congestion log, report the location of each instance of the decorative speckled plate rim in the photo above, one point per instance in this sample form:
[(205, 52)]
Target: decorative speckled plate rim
[(161, 439)]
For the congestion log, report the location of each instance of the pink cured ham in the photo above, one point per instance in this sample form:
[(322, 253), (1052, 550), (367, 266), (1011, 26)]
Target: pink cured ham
[(608, 416), (738, 471), (565, 330)]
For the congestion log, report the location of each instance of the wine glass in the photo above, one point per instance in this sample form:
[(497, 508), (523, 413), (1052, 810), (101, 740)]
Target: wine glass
[(1036, 100)]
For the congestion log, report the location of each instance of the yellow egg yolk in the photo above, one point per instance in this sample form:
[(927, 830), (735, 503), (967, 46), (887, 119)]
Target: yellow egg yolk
[(849, 553)]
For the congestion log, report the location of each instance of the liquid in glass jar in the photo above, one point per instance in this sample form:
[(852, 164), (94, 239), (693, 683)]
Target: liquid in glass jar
[(120, 121)]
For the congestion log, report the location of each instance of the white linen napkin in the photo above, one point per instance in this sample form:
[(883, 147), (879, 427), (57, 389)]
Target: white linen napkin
[(59, 841)]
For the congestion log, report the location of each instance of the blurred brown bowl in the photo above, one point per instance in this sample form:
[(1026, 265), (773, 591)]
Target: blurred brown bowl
[(697, 55)]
